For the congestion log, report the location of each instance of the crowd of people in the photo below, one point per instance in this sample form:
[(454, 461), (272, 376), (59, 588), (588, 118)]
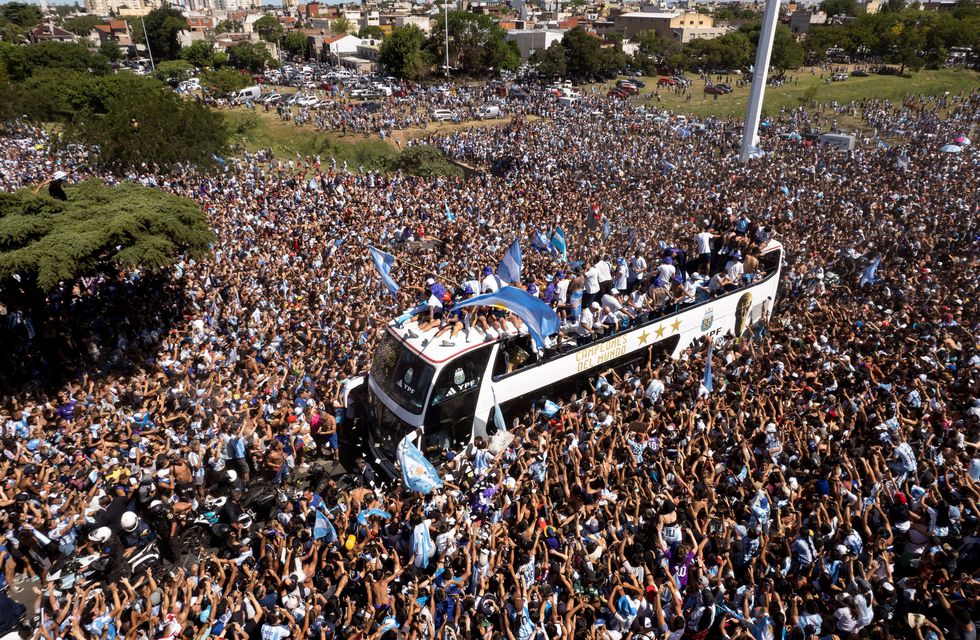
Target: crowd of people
[(826, 487)]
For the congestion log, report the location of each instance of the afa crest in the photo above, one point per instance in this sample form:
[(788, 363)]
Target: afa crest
[(708, 320)]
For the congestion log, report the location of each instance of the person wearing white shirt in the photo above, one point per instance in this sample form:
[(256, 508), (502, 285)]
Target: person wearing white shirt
[(605, 274), (586, 323), (702, 243), (735, 268), (561, 289), (591, 286), (667, 270), (622, 275), (491, 281)]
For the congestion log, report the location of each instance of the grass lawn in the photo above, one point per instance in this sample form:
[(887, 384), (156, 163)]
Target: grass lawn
[(260, 130), (803, 86)]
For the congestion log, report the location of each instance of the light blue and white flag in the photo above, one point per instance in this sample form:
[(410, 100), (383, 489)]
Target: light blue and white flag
[(606, 229), (418, 473), (422, 545), (367, 513), (558, 244), (540, 241), (323, 529), (382, 263), (449, 214), (539, 318), (498, 415), (312, 185), (707, 385), (550, 408), (868, 277), (510, 267)]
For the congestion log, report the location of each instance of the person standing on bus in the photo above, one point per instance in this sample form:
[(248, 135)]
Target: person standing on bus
[(702, 242), (491, 281), (605, 274), (638, 268), (591, 293), (622, 275)]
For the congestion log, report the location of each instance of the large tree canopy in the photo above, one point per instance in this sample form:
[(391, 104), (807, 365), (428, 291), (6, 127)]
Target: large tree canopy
[(403, 53), (162, 28), (45, 241)]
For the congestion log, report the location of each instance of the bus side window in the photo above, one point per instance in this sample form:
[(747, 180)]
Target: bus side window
[(513, 355)]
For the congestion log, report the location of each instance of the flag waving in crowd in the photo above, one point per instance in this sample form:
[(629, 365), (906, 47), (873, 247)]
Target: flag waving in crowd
[(418, 474), (382, 264), (510, 267)]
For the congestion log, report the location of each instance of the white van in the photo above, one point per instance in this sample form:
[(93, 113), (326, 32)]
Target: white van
[(838, 141), (248, 93), (567, 101), (488, 111)]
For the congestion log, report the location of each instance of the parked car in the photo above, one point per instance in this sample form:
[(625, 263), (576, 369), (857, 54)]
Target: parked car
[(617, 93), (666, 82), (441, 115), (270, 98), (860, 73), (307, 101), (714, 90), (628, 89), (839, 77), (637, 83), (727, 88)]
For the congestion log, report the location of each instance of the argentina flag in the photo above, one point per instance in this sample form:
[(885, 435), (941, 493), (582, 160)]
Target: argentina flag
[(558, 244), (510, 267), (382, 263), (418, 473)]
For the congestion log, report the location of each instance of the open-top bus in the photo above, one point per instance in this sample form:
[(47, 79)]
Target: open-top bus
[(446, 394)]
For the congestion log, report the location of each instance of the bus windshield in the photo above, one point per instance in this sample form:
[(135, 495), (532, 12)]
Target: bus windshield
[(404, 376)]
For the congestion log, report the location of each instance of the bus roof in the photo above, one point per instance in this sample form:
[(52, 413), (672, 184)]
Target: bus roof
[(445, 348), (433, 349)]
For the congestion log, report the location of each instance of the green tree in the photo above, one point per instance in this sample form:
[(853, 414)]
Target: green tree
[(200, 53), (249, 55), (23, 61), (21, 14), (550, 62), (110, 51), (162, 28), (839, 7), (342, 25), (223, 81), (403, 53), (477, 44), (82, 25), (268, 28), (371, 31), (152, 125), (46, 241), (583, 53), (174, 71), (228, 26), (423, 160), (295, 43), (787, 52)]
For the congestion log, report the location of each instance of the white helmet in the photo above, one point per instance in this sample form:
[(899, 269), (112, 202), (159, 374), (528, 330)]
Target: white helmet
[(129, 521), (100, 535), (232, 475)]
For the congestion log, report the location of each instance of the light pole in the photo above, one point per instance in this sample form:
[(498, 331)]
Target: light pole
[(750, 134), (146, 38), (446, 7)]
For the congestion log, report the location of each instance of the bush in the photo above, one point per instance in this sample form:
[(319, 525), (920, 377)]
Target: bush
[(425, 161)]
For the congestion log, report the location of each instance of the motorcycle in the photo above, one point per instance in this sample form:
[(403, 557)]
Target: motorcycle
[(205, 530)]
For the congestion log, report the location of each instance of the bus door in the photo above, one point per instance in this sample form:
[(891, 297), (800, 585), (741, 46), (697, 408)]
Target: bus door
[(350, 423), (449, 417)]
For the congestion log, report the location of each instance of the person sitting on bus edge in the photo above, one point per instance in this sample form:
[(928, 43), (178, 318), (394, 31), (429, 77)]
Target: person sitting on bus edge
[(585, 329), (734, 268), (614, 302), (638, 305)]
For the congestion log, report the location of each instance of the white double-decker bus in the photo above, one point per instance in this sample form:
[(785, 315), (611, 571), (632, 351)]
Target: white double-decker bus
[(446, 394)]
